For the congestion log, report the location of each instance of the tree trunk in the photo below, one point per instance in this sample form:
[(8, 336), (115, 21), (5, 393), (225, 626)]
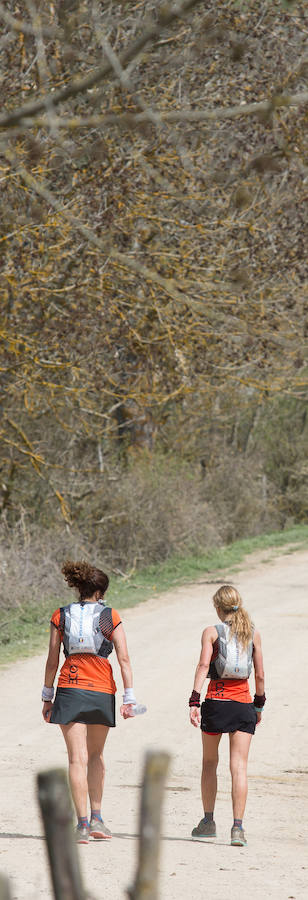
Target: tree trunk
[(5, 893), (54, 800), (146, 886)]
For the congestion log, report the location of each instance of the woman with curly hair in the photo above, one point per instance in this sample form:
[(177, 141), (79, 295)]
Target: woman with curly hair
[(84, 704), (228, 651)]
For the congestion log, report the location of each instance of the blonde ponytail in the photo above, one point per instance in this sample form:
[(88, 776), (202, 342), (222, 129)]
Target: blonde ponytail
[(228, 601)]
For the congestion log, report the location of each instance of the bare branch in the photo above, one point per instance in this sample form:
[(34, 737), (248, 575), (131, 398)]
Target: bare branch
[(21, 27), (162, 117), (264, 107), (165, 284), (121, 74), (166, 16), (37, 31)]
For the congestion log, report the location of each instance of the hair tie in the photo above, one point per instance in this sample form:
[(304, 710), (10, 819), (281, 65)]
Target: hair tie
[(234, 608)]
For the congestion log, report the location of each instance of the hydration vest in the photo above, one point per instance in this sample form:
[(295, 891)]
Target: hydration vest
[(80, 623), (230, 659)]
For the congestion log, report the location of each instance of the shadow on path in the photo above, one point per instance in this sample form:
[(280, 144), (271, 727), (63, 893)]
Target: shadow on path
[(31, 837), (6, 835), (184, 840)]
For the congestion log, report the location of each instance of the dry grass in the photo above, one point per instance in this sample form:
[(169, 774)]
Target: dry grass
[(157, 508)]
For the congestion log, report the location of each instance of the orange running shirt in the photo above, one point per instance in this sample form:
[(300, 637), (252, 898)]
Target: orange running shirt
[(87, 671), (229, 689)]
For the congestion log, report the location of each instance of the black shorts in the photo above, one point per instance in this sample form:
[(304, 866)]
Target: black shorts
[(220, 716), (90, 707)]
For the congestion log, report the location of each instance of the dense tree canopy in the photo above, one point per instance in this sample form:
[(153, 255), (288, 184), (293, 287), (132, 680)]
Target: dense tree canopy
[(153, 233)]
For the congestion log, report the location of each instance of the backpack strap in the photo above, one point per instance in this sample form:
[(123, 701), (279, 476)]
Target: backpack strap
[(99, 638), (220, 628), (212, 672), (222, 640), (66, 611), (250, 650), (62, 619), (105, 630)]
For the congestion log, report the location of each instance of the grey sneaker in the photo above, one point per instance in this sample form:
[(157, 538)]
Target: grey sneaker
[(238, 836), (204, 830), (82, 834), (99, 831)]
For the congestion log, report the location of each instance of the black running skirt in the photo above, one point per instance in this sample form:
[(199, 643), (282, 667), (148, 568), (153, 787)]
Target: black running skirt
[(90, 707), (219, 716)]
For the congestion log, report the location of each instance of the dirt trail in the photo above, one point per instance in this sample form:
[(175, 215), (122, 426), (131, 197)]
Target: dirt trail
[(164, 639)]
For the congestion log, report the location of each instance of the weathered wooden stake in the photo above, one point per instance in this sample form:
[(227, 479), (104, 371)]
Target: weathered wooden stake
[(5, 893), (55, 804), (146, 880)]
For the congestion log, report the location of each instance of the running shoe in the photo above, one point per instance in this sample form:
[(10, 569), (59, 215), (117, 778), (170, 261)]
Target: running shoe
[(82, 834), (204, 830), (238, 836), (99, 831)]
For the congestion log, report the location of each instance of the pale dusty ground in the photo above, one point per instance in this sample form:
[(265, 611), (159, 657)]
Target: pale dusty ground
[(164, 639)]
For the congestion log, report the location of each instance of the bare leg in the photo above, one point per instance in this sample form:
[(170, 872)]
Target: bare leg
[(210, 744), (75, 736), (239, 749), (96, 737)]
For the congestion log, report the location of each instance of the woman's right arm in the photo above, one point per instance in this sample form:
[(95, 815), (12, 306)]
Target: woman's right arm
[(208, 639), (51, 667), (259, 669)]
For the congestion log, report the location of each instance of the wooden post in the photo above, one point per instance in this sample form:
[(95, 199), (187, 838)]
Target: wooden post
[(55, 804), (5, 893), (155, 770)]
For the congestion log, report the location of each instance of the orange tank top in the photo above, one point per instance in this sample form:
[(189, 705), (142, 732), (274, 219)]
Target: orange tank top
[(229, 689), (84, 670)]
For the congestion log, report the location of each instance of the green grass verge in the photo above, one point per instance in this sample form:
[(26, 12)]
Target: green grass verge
[(24, 631)]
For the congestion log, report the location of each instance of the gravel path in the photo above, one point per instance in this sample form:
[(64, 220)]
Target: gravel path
[(164, 640)]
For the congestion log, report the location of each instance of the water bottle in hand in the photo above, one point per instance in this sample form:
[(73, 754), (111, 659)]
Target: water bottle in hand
[(136, 709)]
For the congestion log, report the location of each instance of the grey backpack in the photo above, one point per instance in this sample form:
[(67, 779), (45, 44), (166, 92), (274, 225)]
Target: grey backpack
[(232, 660), (81, 629)]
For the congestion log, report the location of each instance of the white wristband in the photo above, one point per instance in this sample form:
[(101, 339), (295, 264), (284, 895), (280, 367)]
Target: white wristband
[(129, 696), (47, 693)]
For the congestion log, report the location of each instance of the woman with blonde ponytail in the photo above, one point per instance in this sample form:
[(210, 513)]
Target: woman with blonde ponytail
[(229, 649)]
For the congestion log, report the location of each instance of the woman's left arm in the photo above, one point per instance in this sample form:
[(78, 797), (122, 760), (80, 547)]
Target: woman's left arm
[(120, 645), (259, 700), (51, 667)]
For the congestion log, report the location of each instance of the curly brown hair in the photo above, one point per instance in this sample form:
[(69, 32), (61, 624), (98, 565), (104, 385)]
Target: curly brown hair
[(228, 601), (85, 578)]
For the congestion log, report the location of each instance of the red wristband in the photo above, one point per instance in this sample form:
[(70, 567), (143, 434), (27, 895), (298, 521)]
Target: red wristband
[(194, 699)]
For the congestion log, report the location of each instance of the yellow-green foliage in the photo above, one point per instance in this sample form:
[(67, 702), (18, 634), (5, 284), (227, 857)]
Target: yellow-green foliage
[(152, 270)]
